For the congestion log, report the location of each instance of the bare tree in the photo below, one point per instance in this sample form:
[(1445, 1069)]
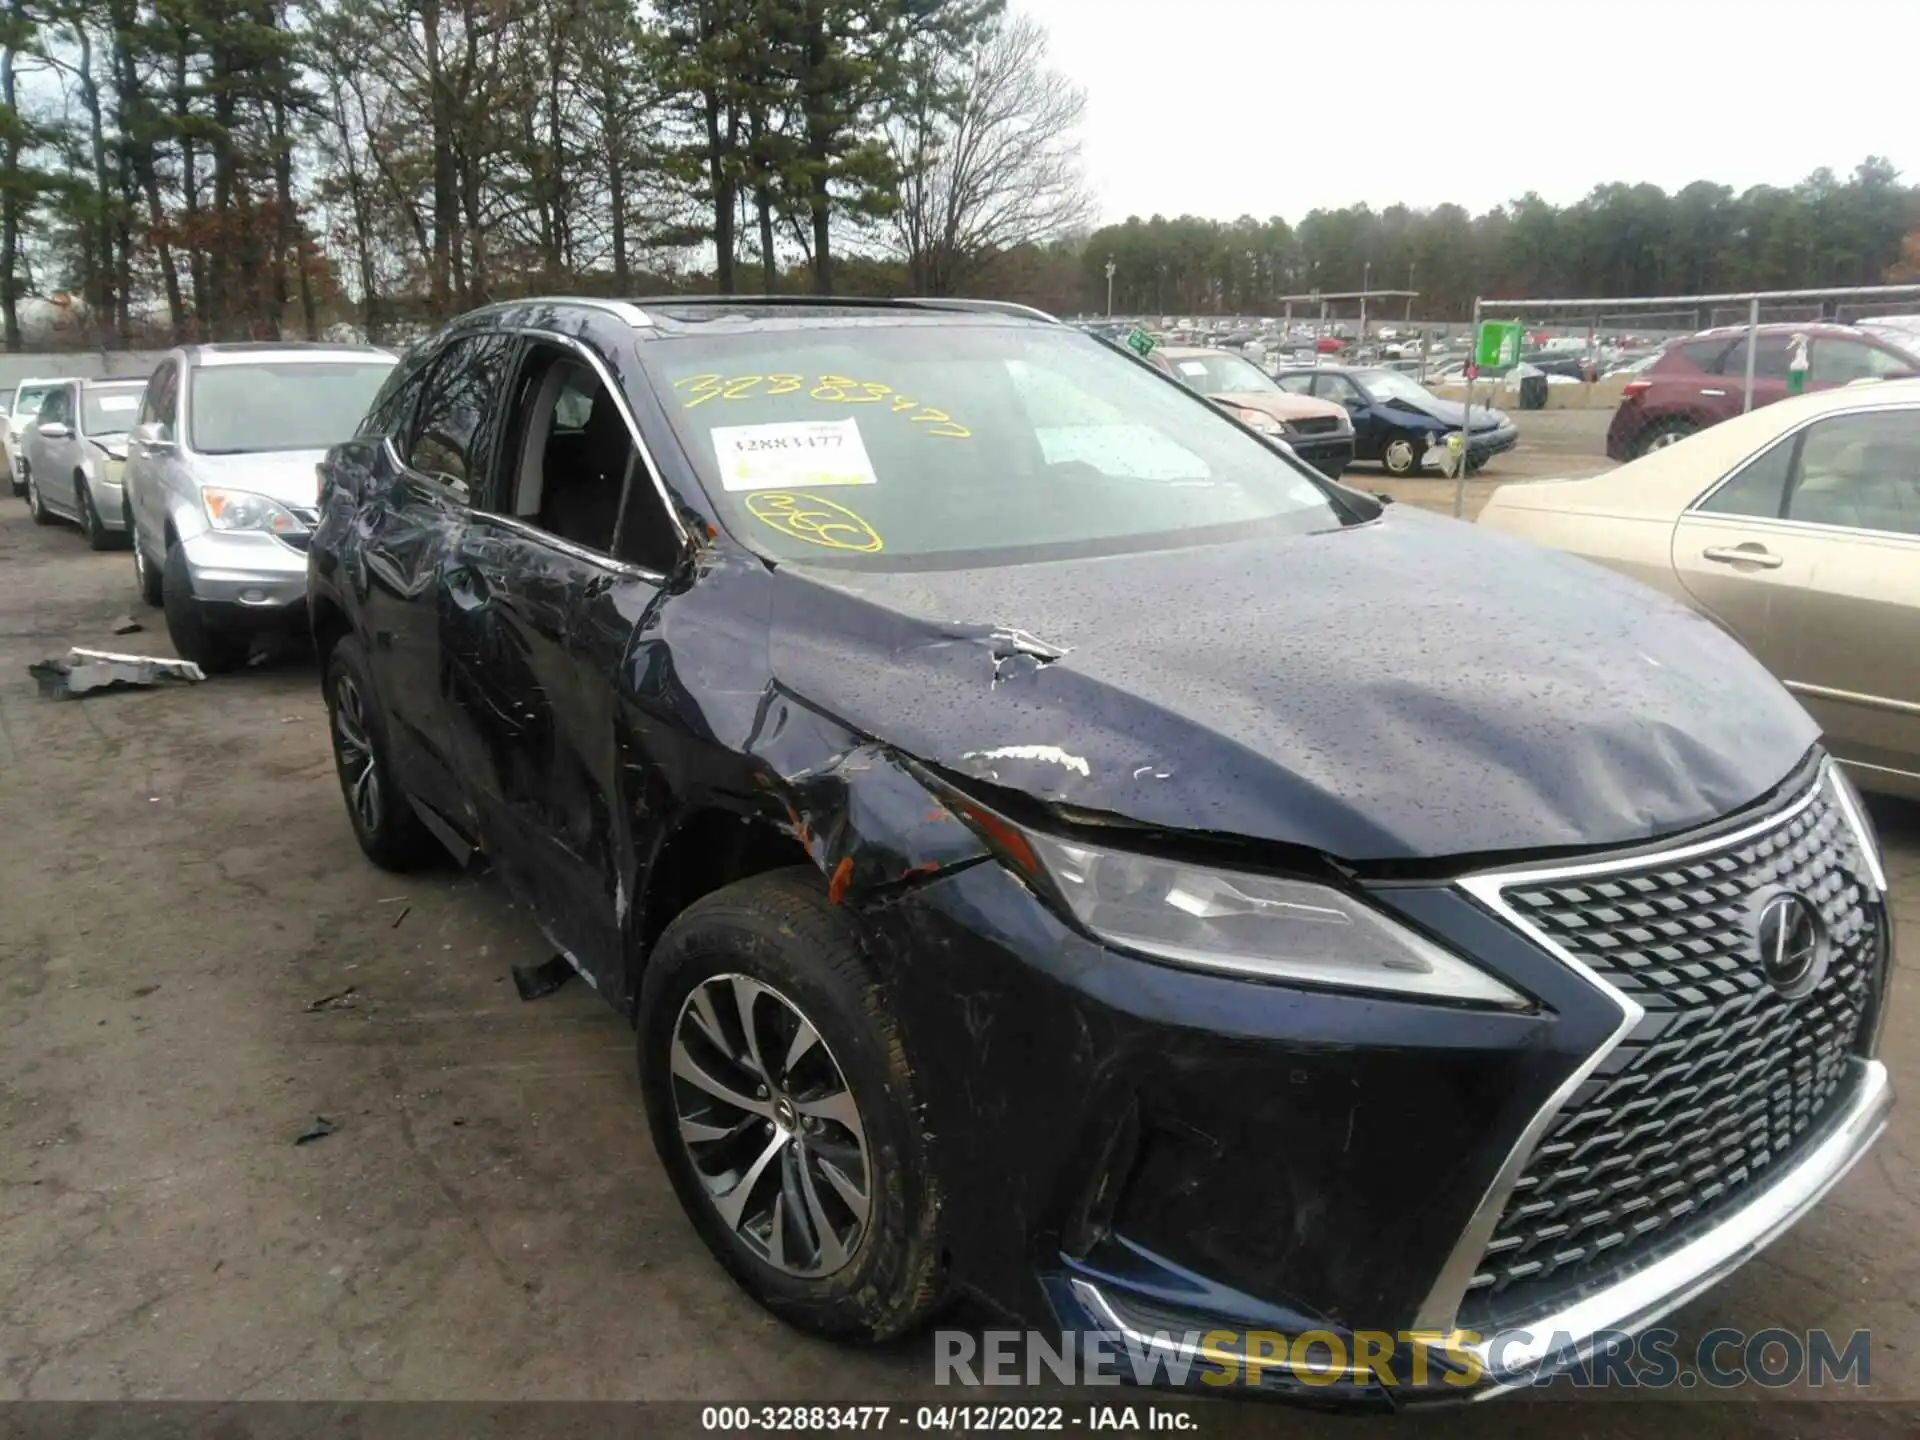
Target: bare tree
[(989, 148)]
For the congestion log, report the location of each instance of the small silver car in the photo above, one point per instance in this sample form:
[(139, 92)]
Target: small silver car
[(25, 410), (221, 484), (74, 455)]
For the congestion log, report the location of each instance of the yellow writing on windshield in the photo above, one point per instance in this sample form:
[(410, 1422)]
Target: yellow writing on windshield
[(822, 390), (817, 521)]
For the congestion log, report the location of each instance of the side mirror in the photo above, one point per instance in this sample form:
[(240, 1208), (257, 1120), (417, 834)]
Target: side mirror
[(153, 434), (54, 429)]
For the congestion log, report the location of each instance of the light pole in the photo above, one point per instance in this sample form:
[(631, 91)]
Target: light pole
[(1366, 284), (1409, 294), (1111, 267)]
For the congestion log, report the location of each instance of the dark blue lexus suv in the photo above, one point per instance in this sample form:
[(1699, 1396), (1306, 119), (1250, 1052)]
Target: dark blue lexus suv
[(1037, 871)]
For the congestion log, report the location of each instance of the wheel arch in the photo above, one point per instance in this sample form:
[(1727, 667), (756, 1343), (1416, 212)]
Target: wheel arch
[(863, 819)]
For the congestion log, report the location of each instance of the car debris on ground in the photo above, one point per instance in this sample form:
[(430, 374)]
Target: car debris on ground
[(318, 1130), (80, 672), (536, 981)]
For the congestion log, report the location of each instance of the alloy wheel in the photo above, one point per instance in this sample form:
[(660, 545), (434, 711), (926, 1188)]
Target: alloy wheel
[(1666, 438), (83, 503), (771, 1126), (353, 741), (139, 560)]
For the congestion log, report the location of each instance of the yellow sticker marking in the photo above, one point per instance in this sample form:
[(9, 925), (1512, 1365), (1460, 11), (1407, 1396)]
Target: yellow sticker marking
[(817, 521), (827, 390)]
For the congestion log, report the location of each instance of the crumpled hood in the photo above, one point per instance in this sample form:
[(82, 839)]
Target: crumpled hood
[(1408, 689), (284, 475), (1453, 412), (1284, 405)]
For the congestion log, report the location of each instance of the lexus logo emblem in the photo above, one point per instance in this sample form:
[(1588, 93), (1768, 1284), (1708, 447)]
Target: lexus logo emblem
[(1791, 942)]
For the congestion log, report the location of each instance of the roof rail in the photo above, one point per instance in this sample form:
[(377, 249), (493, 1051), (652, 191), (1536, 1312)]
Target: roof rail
[(855, 302), (624, 309)]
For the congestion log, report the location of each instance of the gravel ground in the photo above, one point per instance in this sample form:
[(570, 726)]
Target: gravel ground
[(178, 890)]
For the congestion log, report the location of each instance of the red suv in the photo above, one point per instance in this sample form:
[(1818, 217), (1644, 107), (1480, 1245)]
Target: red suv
[(1699, 381)]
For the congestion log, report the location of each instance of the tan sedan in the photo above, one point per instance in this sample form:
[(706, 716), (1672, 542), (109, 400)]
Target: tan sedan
[(1797, 529)]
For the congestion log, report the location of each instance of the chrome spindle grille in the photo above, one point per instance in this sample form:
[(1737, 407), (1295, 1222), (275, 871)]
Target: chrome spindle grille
[(1724, 1078)]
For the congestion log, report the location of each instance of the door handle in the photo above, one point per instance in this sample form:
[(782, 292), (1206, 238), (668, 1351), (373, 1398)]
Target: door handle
[(1755, 555)]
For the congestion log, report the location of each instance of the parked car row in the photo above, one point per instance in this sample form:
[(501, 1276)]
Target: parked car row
[(1034, 867), (206, 470)]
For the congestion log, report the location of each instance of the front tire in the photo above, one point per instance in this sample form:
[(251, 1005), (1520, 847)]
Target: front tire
[(98, 536), (146, 577), (213, 649), (782, 1105), (383, 819), (1403, 454)]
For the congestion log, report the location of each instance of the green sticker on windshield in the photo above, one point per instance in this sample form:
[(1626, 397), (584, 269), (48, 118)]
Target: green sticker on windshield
[(1140, 342)]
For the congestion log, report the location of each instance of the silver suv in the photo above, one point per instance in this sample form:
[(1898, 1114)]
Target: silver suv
[(221, 485)]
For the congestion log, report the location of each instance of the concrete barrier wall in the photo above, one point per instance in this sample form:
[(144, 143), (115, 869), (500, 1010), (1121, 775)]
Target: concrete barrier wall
[(92, 364), (1601, 395)]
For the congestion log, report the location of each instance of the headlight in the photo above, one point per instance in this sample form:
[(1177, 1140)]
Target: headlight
[(1254, 925), (1261, 421), (243, 510)]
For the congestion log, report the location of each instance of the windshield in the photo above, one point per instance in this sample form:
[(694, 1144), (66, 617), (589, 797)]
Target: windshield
[(27, 406), (911, 446), (280, 405), (110, 412), (1222, 374), (1392, 385)]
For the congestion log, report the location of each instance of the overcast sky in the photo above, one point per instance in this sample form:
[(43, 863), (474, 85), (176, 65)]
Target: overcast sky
[(1228, 107)]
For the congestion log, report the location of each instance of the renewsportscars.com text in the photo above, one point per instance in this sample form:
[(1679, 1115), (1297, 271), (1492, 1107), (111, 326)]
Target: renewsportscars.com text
[(1652, 1359)]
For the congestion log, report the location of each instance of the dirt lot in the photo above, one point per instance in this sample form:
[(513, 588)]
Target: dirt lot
[(178, 888)]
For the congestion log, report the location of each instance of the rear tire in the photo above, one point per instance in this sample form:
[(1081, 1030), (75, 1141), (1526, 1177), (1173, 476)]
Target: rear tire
[(855, 1254), (383, 818), (214, 650), (1661, 434)]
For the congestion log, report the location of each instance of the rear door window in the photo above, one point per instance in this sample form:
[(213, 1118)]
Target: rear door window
[(1770, 363), (1705, 355), (1758, 490)]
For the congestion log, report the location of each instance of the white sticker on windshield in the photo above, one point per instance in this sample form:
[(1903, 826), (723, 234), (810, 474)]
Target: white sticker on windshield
[(108, 404), (1193, 367), (791, 455)]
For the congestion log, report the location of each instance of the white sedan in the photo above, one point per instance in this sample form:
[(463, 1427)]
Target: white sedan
[(1796, 528)]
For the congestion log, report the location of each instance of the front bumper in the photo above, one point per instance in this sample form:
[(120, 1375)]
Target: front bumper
[(110, 498), (1513, 1358), (1329, 454), (1485, 444), (1129, 1148), (251, 573)]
